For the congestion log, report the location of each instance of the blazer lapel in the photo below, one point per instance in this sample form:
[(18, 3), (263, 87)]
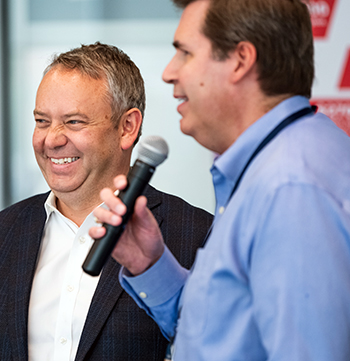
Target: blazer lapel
[(106, 295), (108, 291)]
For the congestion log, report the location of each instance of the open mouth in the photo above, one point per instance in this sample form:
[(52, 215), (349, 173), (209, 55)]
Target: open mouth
[(64, 160), (182, 99)]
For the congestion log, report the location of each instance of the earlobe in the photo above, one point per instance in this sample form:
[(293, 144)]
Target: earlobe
[(244, 58), (130, 122)]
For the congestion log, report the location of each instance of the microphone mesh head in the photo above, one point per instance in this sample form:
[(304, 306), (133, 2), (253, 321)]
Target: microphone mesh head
[(153, 150)]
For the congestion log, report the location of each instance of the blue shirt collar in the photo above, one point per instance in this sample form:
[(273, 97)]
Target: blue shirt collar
[(228, 166)]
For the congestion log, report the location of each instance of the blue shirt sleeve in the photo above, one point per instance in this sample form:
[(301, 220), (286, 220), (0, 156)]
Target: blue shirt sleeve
[(158, 290), (300, 276)]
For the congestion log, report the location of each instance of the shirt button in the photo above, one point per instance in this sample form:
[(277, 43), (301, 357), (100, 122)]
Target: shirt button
[(143, 295), (221, 210), (70, 288), (82, 240), (63, 341)]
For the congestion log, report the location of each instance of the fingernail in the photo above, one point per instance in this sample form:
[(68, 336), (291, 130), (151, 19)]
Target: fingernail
[(100, 232), (114, 219), (120, 208)]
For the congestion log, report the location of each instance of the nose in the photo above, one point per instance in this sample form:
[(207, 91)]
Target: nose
[(170, 72), (55, 137)]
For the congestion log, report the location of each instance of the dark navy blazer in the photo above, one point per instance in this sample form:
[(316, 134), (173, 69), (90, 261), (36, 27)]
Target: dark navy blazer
[(115, 328)]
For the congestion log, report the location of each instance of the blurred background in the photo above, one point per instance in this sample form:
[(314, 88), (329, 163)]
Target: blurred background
[(36, 29), (32, 31)]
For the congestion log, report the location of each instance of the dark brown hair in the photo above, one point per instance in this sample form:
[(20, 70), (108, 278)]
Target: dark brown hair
[(281, 32), (125, 84)]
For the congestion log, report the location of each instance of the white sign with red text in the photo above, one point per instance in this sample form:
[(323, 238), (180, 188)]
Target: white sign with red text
[(331, 29)]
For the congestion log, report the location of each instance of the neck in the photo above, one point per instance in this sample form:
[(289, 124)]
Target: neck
[(77, 204), (272, 101), (247, 111), (77, 211)]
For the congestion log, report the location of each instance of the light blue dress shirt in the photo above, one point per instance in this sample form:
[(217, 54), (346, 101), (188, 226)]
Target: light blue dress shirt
[(273, 280)]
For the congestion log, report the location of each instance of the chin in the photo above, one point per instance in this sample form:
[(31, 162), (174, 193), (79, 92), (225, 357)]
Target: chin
[(185, 129), (62, 188)]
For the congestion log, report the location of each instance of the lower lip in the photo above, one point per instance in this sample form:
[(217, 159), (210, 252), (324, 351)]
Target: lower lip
[(62, 167), (180, 106)]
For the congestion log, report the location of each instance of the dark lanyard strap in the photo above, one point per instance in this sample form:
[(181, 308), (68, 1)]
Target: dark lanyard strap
[(284, 123)]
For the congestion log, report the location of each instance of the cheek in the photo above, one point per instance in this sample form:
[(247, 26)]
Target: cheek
[(37, 140)]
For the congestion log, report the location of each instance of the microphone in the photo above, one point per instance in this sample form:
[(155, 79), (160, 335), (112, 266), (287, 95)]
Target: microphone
[(152, 151)]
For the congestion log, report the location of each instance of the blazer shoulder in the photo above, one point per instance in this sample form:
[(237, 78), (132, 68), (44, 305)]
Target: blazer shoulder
[(164, 203), (30, 206)]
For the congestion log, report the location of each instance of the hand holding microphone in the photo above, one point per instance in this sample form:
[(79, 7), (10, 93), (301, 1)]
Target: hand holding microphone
[(152, 151)]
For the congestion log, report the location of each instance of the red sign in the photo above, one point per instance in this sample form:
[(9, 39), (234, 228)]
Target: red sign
[(345, 79), (321, 13), (336, 109)]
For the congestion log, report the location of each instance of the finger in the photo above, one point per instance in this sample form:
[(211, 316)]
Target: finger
[(120, 181), (97, 232), (146, 219), (140, 207), (106, 216), (112, 202)]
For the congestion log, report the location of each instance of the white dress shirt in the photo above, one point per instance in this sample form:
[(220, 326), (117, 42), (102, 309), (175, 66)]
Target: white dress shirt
[(62, 291)]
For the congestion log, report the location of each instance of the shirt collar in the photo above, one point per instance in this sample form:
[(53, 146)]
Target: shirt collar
[(50, 205), (228, 166)]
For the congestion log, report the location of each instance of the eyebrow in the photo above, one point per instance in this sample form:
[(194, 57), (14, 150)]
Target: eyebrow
[(37, 112), (69, 115)]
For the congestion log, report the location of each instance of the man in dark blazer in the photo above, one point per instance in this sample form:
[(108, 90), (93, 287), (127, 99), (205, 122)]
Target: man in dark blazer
[(84, 136)]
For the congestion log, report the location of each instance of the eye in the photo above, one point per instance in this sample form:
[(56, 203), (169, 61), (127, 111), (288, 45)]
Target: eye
[(40, 123), (75, 124), (184, 52), (182, 48)]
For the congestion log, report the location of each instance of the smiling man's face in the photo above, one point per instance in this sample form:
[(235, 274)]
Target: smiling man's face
[(75, 143)]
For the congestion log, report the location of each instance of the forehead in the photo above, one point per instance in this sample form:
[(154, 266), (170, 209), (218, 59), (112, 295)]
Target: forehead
[(68, 77), (73, 83), (192, 21), (68, 91)]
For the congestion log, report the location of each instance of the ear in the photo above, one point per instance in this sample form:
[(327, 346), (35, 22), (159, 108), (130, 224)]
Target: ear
[(130, 124), (244, 60)]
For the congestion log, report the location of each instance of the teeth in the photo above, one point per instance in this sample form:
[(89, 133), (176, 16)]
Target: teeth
[(64, 160)]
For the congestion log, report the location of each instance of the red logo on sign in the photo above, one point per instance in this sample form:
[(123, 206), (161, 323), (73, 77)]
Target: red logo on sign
[(345, 79), (336, 109), (321, 12)]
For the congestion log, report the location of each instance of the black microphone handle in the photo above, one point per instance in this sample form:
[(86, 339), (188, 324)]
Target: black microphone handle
[(101, 249)]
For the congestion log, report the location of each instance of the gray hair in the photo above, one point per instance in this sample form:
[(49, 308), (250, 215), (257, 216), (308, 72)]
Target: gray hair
[(126, 88)]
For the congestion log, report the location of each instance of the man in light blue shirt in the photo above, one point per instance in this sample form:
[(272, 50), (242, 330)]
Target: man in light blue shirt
[(272, 281)]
